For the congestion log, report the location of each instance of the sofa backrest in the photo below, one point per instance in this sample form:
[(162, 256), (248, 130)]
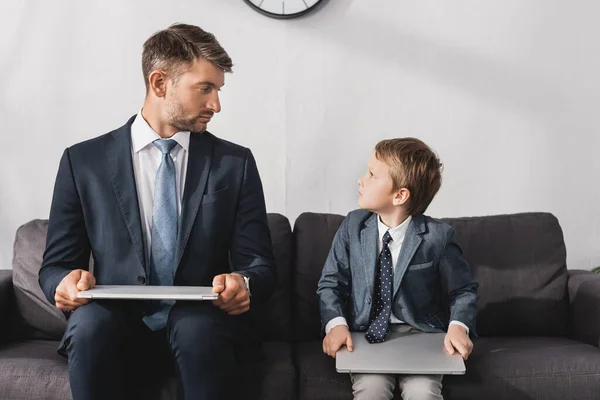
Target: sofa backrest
[(313, 234), (7, 313), (519, 261), (38, 319), (273, 320)]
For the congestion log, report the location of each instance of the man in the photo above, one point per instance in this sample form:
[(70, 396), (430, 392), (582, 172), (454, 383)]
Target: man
[(159, 201)]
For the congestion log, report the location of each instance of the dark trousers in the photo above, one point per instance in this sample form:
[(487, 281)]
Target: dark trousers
[(113, 355)]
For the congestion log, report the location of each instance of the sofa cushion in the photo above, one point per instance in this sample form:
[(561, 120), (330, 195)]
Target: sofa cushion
[(528, 368), (33, 370), (273, 379), (313, 234), (39, 319), (519, 261), (317, 376), (272, 319), (499, 368)]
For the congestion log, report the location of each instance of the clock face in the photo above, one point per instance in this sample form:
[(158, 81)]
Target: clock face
[(283, 8)]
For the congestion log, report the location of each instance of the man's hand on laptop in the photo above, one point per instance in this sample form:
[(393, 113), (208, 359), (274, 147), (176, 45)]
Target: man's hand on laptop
[(77, 280), (336, 338), (457, 340), (233, 294)]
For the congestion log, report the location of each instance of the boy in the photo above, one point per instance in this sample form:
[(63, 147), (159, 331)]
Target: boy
[(390, 269)]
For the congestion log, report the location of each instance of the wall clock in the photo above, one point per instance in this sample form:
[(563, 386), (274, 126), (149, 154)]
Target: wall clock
[(284, 8)]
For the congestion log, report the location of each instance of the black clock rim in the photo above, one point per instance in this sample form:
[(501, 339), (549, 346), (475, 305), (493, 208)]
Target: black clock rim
[(289, 16)]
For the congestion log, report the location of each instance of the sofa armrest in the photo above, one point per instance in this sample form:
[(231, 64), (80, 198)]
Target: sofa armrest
[(6, 303), (584, 295)]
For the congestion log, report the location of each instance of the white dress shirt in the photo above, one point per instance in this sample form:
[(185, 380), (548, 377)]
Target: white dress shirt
[(398, 233), (146, 160)]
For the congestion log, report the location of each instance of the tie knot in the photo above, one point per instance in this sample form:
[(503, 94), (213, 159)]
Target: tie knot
[(387, 238), (165, 145)]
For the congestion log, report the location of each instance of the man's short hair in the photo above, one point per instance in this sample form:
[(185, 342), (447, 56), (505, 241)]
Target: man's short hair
[(180, 45), (414, 166)]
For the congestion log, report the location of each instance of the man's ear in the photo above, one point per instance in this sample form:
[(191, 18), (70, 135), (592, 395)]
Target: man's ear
[(401, 196), (157, 83)]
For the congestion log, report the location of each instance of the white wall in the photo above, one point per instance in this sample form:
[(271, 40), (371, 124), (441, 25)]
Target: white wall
[(506, 91)]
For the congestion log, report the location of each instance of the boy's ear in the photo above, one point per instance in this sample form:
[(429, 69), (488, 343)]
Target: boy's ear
[(401, 196)]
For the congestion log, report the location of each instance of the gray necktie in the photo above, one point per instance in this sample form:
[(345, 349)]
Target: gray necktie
[(164, 232)]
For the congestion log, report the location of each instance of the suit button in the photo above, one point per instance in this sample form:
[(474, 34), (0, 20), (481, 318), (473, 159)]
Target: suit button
[(141, 280), (362, 327), (369, 300)]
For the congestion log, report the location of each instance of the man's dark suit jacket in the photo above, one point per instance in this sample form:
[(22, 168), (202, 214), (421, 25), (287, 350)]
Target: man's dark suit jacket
[(95, 209)]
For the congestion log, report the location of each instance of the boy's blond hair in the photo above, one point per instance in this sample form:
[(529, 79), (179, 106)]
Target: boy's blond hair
[(414, 166)]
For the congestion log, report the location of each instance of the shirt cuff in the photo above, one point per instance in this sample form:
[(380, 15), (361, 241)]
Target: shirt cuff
[(246, 281), (335, 322), (461, 324)]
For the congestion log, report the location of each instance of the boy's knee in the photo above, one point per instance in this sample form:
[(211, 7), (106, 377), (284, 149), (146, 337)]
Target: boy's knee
[(373, 386), (421, 387)]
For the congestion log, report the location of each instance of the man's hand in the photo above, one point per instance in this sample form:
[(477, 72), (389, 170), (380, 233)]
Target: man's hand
[(233, 296), (66, 291), (336, 338), (457, 340)]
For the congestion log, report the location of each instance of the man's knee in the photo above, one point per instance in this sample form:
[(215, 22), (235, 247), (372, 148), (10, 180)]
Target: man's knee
[(199, 328), (420, 387), (373, 386), (92, 324)]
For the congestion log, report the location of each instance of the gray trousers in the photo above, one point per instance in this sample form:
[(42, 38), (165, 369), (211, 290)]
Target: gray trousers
[(412, 387)]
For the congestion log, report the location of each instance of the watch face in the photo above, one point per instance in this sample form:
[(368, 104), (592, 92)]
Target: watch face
[(284, 8)]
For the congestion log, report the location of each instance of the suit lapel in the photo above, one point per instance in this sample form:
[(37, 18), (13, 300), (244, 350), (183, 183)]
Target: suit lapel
[(411, 243), (117, 148), (368, 242), (198, 169)]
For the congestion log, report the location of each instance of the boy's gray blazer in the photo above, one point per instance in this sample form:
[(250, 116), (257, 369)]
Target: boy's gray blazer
[(430, 275)]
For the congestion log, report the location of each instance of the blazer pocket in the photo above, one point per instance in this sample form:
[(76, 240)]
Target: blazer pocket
[(416, 267), (211, 197)]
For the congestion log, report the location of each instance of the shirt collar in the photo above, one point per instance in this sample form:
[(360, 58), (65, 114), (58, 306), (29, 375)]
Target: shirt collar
[(396, 233), (142, 135)]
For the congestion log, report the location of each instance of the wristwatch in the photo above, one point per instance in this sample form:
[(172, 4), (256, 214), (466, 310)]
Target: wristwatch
[(247, 282)]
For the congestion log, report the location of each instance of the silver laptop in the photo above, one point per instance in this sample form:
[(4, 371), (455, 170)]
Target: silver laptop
[(401, 353), (141, 292)]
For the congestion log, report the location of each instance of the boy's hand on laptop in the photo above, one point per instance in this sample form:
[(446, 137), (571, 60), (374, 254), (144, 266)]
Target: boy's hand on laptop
[(457, 340), (77, 280), (336, 338), (233, 295)]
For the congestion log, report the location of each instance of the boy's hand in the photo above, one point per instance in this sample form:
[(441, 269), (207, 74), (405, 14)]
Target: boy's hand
[(457, 340), (336, 338)]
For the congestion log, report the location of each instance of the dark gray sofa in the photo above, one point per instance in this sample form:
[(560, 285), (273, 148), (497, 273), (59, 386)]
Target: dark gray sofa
[(538, 323)]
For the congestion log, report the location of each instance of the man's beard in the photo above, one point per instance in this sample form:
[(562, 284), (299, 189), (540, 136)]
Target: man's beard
[(175, 114)]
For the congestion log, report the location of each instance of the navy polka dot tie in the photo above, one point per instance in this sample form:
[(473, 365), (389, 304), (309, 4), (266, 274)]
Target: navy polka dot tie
[(382, 306)]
